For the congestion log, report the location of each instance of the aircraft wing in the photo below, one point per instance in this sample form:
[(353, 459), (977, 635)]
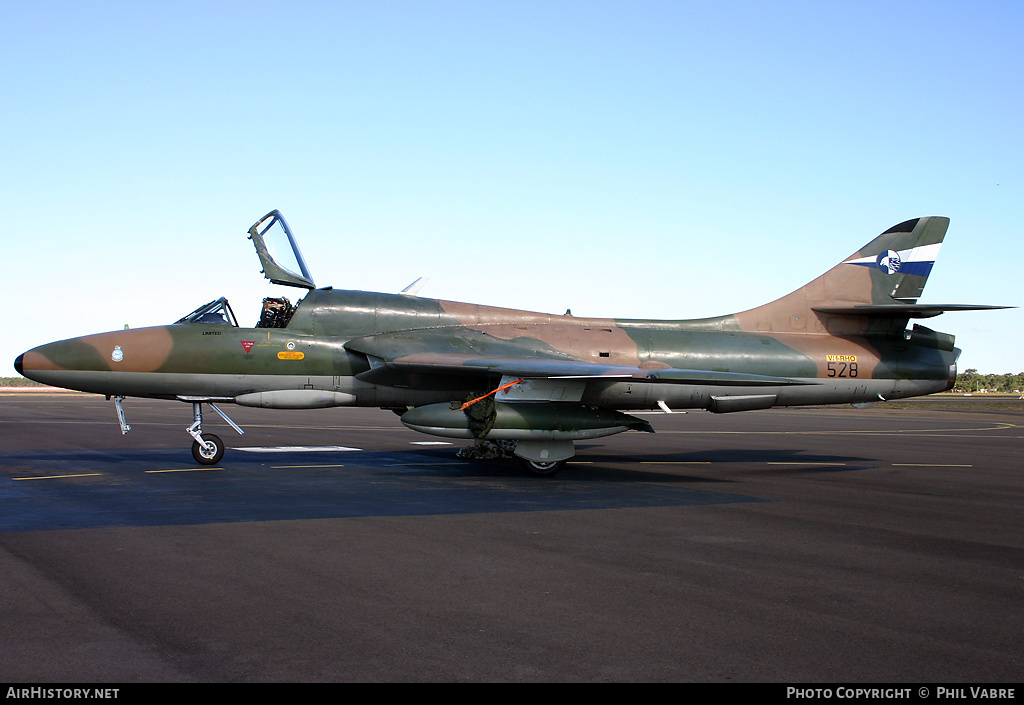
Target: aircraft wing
[(397, 358)]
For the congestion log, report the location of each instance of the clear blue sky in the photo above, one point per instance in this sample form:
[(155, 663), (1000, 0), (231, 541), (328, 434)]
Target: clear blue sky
[(628, 159)]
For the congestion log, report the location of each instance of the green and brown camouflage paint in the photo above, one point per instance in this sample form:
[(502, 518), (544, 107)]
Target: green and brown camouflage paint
[(841, 338)]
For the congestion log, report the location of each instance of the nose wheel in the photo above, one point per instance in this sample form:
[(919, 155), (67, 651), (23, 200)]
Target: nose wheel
[(207, 448), (210, 451)]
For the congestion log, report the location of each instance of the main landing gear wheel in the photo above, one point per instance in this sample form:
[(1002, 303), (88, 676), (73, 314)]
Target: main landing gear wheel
[(542, 468), (210, 452)]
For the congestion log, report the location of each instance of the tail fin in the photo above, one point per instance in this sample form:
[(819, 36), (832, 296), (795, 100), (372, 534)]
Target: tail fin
[(899, 261), (875, 288)]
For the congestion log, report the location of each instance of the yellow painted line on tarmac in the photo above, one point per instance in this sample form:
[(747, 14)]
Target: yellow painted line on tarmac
[(930, 465), (59, 477), (154, 472), (289, 467)]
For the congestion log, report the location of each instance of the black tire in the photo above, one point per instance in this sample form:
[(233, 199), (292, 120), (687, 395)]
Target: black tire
[(541, 468), (203, 455)]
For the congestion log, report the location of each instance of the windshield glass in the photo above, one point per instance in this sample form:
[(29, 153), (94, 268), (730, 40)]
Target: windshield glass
[(216, 312)]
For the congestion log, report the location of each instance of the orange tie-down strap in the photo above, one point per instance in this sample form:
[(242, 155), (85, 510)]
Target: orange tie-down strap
[(471, 402)]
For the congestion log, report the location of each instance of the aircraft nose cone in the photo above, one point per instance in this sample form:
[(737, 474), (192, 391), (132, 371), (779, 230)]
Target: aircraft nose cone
[(18, 364)]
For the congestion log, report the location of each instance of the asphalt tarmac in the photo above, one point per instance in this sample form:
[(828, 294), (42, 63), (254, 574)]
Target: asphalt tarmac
[(793, 545)]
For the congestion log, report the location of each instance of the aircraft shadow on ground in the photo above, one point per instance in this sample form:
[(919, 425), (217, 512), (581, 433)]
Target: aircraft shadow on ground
[(761, 456), (155, 487), (701, 466)]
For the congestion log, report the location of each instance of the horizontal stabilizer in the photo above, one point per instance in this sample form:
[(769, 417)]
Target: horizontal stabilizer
[(897, 310)]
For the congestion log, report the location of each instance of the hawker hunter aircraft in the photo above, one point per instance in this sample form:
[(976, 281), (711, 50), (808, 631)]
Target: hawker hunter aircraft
[(522, 383)]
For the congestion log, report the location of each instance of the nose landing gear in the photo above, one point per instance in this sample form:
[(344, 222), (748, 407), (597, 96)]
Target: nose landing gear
[(207, 448)]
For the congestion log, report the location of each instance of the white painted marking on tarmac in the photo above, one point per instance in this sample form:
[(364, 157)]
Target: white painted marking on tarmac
[(429, 443), (295, 449)]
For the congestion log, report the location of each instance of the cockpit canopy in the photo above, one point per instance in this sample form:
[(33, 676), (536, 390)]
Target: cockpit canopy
[(279, 252), (282, 264)]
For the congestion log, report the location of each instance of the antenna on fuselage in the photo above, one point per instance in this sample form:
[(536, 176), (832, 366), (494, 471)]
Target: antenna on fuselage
[(414, 288)]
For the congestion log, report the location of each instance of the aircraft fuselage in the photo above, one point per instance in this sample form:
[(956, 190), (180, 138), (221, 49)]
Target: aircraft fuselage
[(225, 362)]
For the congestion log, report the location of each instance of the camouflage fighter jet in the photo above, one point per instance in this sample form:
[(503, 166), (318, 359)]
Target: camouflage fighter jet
[(520, 383)]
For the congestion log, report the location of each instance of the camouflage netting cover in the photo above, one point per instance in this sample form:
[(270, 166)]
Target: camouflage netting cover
[(481, 414)]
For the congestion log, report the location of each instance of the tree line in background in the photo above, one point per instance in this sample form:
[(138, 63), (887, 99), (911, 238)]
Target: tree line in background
[(970, 380), (17, 382)]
